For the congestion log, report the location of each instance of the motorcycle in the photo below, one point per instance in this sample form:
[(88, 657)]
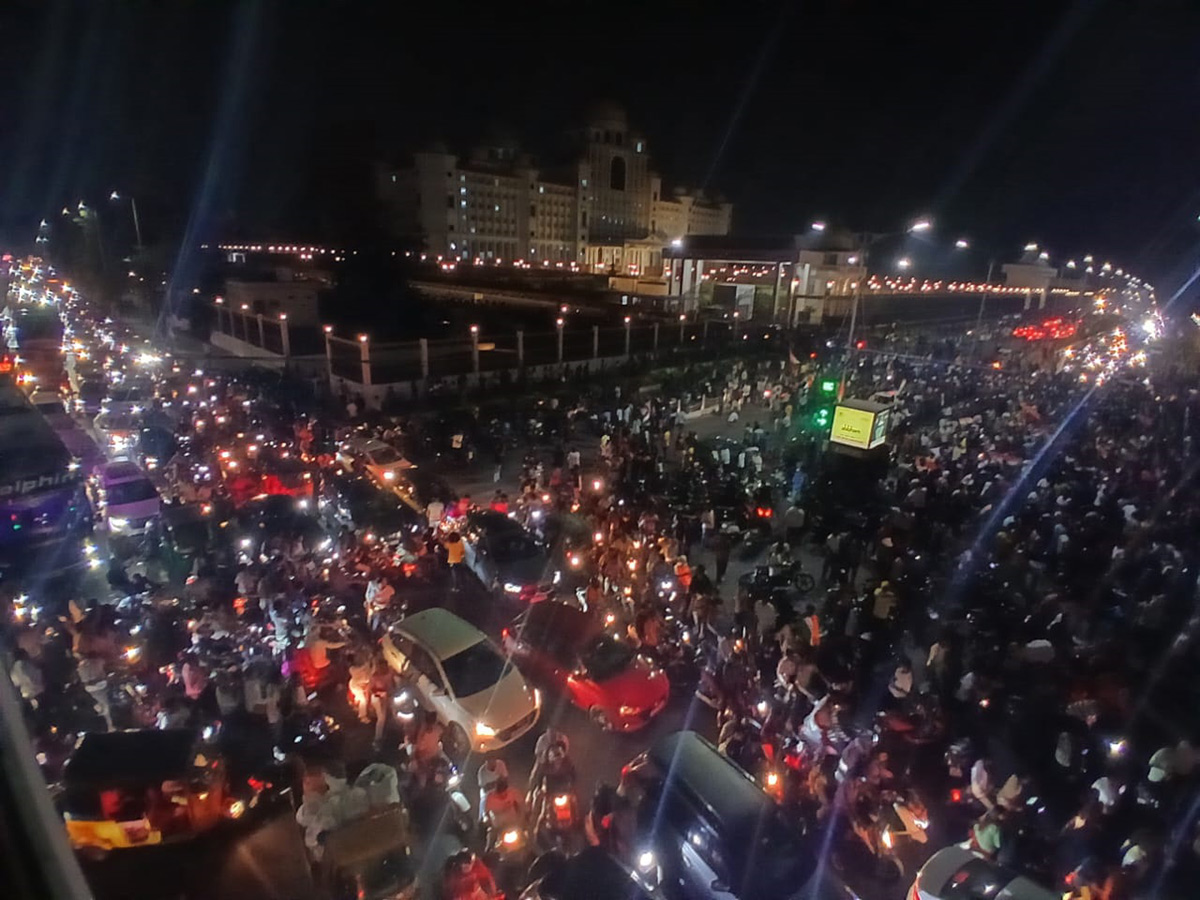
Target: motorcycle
[(560, 818), (509, 851), (897, 818), (761, 584)]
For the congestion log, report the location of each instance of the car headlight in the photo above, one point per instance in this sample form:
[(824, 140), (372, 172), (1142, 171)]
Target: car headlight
[(646, 861), (116, 523), (389, 476), (236, 808), (484, 731), (510, 588)]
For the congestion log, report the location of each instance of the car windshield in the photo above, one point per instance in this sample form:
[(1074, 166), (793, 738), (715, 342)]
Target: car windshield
[(130, 492), (779, 861), (513, 546), (606, 658), (384, 456), (977, 880), (475, 669)]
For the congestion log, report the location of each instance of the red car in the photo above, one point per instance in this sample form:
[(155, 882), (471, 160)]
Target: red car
[(568, 648)]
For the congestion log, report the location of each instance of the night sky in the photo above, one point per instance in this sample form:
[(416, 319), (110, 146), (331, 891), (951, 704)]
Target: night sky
[(1073, 124)]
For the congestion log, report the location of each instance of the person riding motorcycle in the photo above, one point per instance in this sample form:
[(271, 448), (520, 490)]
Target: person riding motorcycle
[(425, 745), (503, 808), (467, 877), (552, 772), (779, 559)]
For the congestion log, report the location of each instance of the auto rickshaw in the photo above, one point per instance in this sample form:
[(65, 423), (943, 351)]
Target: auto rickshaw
[(125, 789), (371, 858)]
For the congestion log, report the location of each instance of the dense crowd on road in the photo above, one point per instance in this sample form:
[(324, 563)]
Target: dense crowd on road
[(983, 637)]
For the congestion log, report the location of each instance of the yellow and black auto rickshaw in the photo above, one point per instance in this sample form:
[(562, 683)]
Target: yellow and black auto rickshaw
[(136, 788)]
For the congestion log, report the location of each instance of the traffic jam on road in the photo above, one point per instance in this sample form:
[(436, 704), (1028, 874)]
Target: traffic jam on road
[(655, 654)]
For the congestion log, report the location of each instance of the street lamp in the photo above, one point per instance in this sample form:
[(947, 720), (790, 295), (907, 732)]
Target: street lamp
[(628, 320), (818, 226), (558, 327), (475, 348), (904, 262), (920, 225), (962, 244), (137, 226)]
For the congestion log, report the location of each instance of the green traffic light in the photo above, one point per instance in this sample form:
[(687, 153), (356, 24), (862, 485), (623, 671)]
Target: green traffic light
[(828, 386)]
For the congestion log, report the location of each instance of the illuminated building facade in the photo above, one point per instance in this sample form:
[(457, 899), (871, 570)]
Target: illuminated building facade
[(603, 209)]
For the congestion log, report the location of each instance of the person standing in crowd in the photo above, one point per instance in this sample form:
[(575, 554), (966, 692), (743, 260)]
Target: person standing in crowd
[(456, 556)]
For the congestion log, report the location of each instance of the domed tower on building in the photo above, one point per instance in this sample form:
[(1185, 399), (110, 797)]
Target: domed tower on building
[(617, 196)]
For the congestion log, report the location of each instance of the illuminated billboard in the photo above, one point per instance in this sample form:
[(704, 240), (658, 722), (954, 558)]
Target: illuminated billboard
[(860, 423)]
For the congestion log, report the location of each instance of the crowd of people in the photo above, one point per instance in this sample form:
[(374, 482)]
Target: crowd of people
[(988, 624)]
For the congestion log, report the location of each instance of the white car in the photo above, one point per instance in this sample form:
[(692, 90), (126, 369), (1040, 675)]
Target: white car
[(49, 404), (955, 873), (457, 671), (129, 499), (381, 461), (127, 399), (119, 433)]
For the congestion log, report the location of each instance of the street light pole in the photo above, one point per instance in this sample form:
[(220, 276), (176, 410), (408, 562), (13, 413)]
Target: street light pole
[(983, 299), (137, 225)]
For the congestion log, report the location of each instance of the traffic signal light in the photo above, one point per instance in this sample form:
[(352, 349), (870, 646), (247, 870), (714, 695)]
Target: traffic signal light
[(822, 417), (828, 387)]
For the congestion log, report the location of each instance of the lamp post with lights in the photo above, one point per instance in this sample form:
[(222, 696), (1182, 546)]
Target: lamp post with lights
[(920, 226), (137, 225)]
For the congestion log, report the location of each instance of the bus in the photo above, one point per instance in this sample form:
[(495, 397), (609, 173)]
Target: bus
[(44, 511), (35, 335)]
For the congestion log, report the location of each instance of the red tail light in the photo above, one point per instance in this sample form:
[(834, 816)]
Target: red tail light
[(955, 796), (765, 512)]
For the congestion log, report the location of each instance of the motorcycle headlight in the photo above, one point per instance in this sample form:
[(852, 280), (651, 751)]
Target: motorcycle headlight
[(646, 862), (484, 731), (389, 476), (511, 837)]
